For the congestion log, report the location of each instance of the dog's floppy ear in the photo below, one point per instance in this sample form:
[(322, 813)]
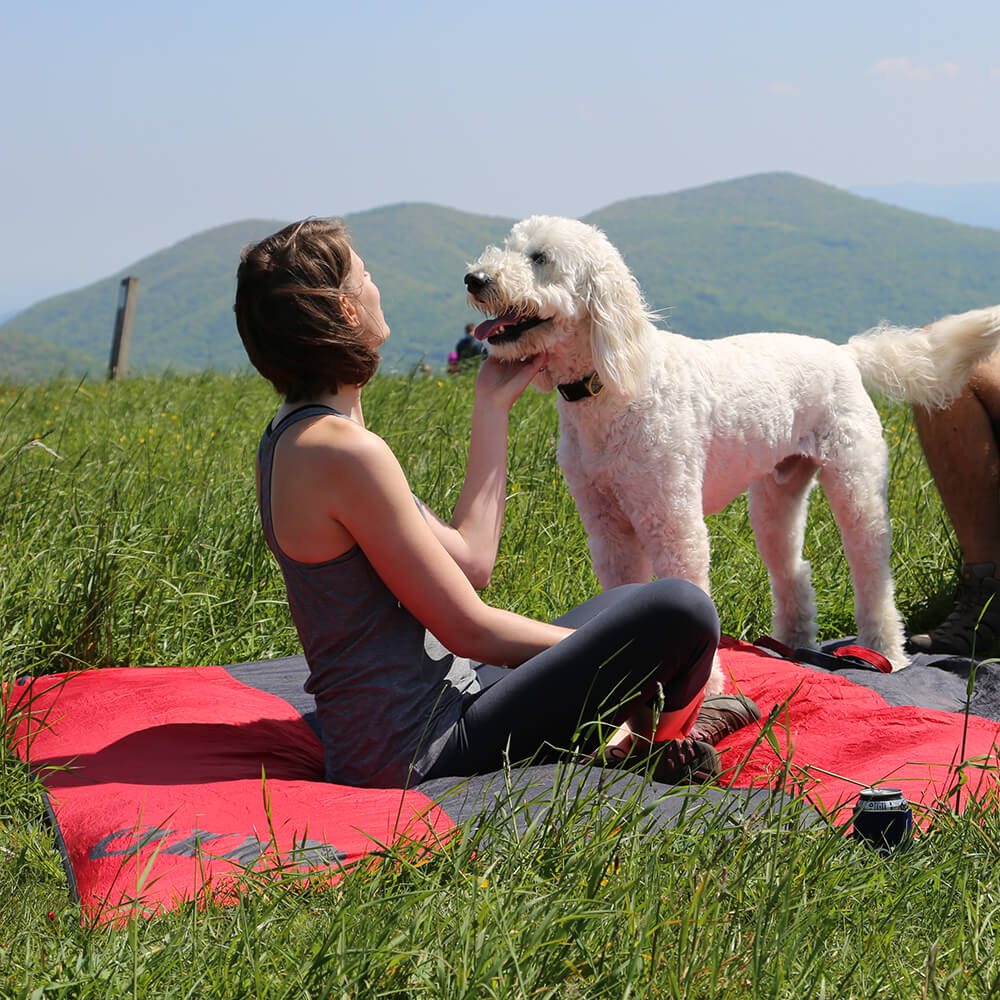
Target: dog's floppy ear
[(619, 327)]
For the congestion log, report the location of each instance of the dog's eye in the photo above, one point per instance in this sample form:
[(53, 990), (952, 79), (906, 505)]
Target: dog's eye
[(539, 257)]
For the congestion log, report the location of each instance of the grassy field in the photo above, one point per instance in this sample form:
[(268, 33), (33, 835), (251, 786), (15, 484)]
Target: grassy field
[(129, 536)]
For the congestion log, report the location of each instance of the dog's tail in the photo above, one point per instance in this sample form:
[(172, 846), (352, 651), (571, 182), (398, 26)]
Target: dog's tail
[(929, 366)]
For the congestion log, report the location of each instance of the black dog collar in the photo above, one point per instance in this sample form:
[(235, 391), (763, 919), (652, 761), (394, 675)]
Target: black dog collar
[(589, 385)]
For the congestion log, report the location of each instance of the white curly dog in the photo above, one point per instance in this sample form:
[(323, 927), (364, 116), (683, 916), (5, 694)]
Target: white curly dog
[(657, 429)]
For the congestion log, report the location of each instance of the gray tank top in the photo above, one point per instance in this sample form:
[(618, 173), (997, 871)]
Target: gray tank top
[(387, 692)]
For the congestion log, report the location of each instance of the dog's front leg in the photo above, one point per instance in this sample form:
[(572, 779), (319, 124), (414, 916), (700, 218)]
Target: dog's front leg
[(616, 552), (676, 537)]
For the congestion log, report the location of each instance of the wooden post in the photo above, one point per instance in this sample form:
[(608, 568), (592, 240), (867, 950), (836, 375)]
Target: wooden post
[(123, 328)]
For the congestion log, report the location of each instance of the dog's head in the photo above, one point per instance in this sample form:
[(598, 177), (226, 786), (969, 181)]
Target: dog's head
[(559, 285)]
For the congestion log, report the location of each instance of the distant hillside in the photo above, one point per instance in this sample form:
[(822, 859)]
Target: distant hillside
[(29, 359), (184, 315), (773, 251), (780, 252), (971, 204), (184, 307)]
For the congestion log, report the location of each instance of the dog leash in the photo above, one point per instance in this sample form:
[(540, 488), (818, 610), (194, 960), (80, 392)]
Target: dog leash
[(837, 659)]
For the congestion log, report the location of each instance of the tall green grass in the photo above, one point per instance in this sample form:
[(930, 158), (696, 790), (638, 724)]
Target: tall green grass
[(129, 537)]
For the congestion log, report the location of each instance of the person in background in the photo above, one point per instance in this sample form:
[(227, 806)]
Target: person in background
[(467, 350), (413, 674), (962, 446)]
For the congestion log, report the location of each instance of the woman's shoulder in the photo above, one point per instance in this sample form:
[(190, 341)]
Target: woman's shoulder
[(330, 428), (333, 441)]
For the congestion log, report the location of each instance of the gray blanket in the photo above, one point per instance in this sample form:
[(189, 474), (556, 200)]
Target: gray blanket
[(542, 793)]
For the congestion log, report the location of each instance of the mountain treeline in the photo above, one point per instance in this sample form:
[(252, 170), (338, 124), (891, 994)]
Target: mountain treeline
[(769, 252)]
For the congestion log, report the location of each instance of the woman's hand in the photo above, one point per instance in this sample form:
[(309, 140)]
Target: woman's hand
[(500, 383)]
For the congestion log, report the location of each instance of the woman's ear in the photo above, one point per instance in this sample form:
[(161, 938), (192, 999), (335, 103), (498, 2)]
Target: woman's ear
[(348, 311)]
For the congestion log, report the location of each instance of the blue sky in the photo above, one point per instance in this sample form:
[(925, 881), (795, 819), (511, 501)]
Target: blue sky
[(129, 126)]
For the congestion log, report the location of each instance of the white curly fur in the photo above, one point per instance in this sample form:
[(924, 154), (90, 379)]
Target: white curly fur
[(684, 426)]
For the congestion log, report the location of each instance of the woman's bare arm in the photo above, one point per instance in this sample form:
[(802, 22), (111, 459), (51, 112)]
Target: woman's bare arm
[(473, 535), (373, 502)]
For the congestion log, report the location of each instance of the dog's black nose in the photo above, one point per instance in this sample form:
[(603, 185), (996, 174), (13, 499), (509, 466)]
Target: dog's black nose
[(476, 281)]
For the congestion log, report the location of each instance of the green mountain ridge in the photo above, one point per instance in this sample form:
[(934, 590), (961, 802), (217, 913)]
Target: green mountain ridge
[(27, 358), (781, 252), (773, 251)]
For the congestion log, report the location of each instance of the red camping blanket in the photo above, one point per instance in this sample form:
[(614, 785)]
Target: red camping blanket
[(830, 737), (165, 782)]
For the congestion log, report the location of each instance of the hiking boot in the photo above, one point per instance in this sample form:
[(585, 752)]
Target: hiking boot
[(722, 714), (974, 623), (684, 762), (674, 762)]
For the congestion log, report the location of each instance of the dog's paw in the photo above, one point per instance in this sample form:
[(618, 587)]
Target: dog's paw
[(891, 648)]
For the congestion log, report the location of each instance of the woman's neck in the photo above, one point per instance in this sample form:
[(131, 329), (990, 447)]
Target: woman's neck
[(346, 400)]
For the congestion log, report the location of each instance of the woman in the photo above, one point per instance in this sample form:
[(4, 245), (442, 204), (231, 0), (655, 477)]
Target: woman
[(383, 592)]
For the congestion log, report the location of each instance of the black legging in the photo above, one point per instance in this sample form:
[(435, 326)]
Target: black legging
[(627, 640)]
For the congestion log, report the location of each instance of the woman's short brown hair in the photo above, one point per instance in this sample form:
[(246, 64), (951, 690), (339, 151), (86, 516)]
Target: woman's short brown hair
[(288, 290)]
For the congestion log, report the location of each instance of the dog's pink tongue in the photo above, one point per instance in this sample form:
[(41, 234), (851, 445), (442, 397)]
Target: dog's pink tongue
[(484, 330)]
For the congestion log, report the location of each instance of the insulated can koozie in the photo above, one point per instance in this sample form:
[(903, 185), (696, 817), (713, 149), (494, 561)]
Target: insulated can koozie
[(883, 819)]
